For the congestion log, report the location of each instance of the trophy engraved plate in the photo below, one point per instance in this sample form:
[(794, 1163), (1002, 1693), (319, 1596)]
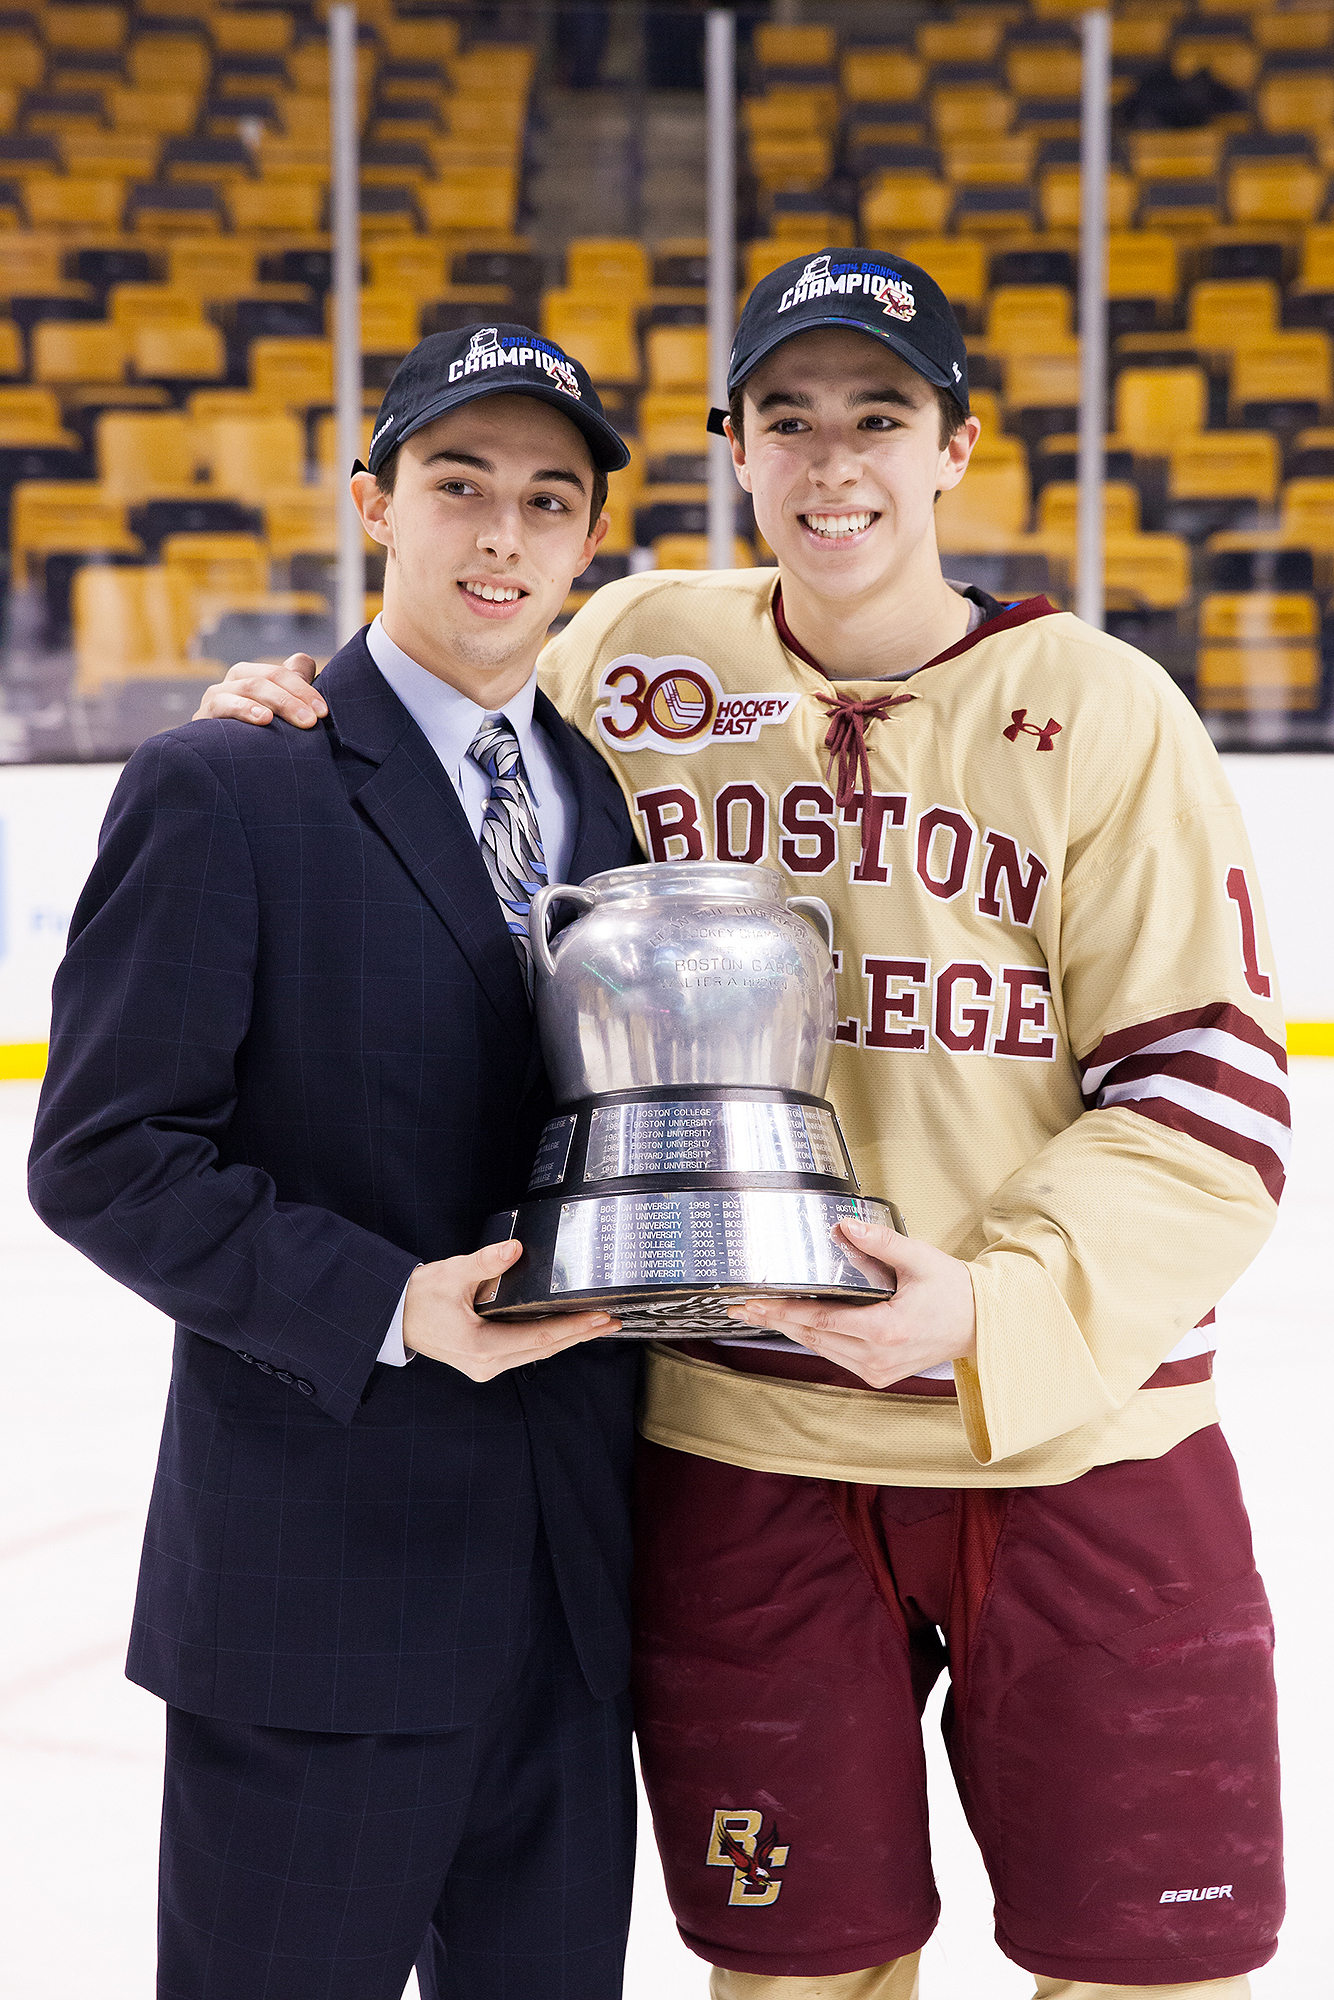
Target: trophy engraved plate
[(683, 1137), (687, 1023), (553, 1153)]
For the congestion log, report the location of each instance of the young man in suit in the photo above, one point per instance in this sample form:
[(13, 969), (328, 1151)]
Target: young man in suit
[(293, 1068)]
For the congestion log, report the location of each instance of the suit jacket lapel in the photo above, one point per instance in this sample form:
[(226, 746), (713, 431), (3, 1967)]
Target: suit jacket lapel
[(413, 805)]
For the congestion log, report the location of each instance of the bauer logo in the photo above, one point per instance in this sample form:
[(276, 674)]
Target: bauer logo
[(677, 704)]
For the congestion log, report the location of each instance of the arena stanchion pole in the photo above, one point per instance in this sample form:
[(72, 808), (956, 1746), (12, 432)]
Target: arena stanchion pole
[(343, 106), (720, 78), (1094, 160)]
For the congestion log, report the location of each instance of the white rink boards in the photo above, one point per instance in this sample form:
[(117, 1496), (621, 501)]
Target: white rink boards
[(85, 1376)]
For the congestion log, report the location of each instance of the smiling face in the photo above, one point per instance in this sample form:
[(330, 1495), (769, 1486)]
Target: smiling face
[(486, 529), (843, 459)]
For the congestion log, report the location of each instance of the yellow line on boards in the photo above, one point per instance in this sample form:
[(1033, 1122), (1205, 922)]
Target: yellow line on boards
[(1311, 1038), (21, 1059), (28, 1059)]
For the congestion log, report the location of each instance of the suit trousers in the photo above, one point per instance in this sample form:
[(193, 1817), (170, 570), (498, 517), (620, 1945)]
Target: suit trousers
[(498, 1857)]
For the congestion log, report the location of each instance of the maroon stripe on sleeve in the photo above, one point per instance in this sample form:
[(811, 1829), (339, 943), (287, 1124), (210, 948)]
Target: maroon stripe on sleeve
[(1222, 1015), (780, 1365), (1266, 1163), (1210, 1074)]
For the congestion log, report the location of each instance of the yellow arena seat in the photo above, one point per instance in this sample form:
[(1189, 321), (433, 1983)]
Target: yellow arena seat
[(218, 563), (957, 263), (1308, 513), (1042, 381), (1297, 101), (30, 416), (414, 267), (673, 424), (1292, 366), (131, 306), (70, 351), (1259, 650), (250, 455), (64, 201), (1146, 572), (987, 509), (789, 165), (1193, 154), (110, 155), (780, 45), (390, 321), (1317, 259), (22, 57), (973, 40), (252, 32), (168, 62), (74, 516), (303, 520), (981, 162), (122, 627), (692, 552), (1033, 319), (32, 263), (296, 372), (1059, 197), (1222, 313), (178, 353), (1302, 31), (970, 111), (1035, 69), (290, 208), (213, 267), (465, 198), (600, 263), (1274, 191), (12, 358), (678, 357), (1156, 405), (159, 112), (1224, 465), (85, 27), (600, 331), (901, 204), (1142, 264), (140, 453), (1058, 507), (882, 76)]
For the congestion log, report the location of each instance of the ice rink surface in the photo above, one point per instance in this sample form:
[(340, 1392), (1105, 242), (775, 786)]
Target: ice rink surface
[(85, 1377)]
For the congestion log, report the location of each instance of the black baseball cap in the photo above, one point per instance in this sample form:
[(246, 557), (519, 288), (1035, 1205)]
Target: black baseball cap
[(447, 369), (871, 292)]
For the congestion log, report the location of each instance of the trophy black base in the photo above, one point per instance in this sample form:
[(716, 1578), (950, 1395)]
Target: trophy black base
[(669, 1206)]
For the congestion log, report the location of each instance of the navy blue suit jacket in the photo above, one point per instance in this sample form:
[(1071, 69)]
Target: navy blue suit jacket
[(291, 1057)]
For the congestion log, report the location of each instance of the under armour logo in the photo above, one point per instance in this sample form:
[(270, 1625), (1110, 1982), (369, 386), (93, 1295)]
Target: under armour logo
[(1019, 726)]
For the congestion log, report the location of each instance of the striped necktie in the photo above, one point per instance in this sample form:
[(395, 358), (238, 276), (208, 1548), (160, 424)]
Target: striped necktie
[(511, 840)]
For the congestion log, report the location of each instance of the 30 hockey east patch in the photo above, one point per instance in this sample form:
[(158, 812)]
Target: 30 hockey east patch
[(678, 704)]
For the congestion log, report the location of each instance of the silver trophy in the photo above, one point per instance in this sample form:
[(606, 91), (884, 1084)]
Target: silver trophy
[(687, 1022)]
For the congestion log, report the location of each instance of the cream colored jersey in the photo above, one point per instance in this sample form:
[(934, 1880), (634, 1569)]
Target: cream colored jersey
[(1060, 1043)]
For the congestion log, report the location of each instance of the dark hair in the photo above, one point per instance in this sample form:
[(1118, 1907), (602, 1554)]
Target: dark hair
[(952, 413), (388, 473)]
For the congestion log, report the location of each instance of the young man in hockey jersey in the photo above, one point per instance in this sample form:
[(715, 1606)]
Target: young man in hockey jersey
[(1060, 1049)]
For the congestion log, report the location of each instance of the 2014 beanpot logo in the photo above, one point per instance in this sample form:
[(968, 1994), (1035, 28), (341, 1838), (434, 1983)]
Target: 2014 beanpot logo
[(677, 704)]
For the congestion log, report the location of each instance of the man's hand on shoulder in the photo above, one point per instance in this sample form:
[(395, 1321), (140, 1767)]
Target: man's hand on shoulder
[(439, 1322), (253, 692)]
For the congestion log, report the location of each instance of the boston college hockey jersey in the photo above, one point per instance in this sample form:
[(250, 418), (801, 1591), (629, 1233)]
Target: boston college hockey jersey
[(1060, 1046)]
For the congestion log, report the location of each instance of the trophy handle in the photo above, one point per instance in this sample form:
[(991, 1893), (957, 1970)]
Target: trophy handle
[(559, 892), (811, 906)]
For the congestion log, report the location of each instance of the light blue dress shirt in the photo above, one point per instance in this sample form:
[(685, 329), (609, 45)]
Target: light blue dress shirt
[(449, 721)]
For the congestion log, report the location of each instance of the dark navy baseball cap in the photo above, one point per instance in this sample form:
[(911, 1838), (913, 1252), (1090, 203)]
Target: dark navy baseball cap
[(448, 369), (866, 290)]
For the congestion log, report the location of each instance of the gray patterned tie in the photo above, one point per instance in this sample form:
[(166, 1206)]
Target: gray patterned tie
[(511, 840)]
